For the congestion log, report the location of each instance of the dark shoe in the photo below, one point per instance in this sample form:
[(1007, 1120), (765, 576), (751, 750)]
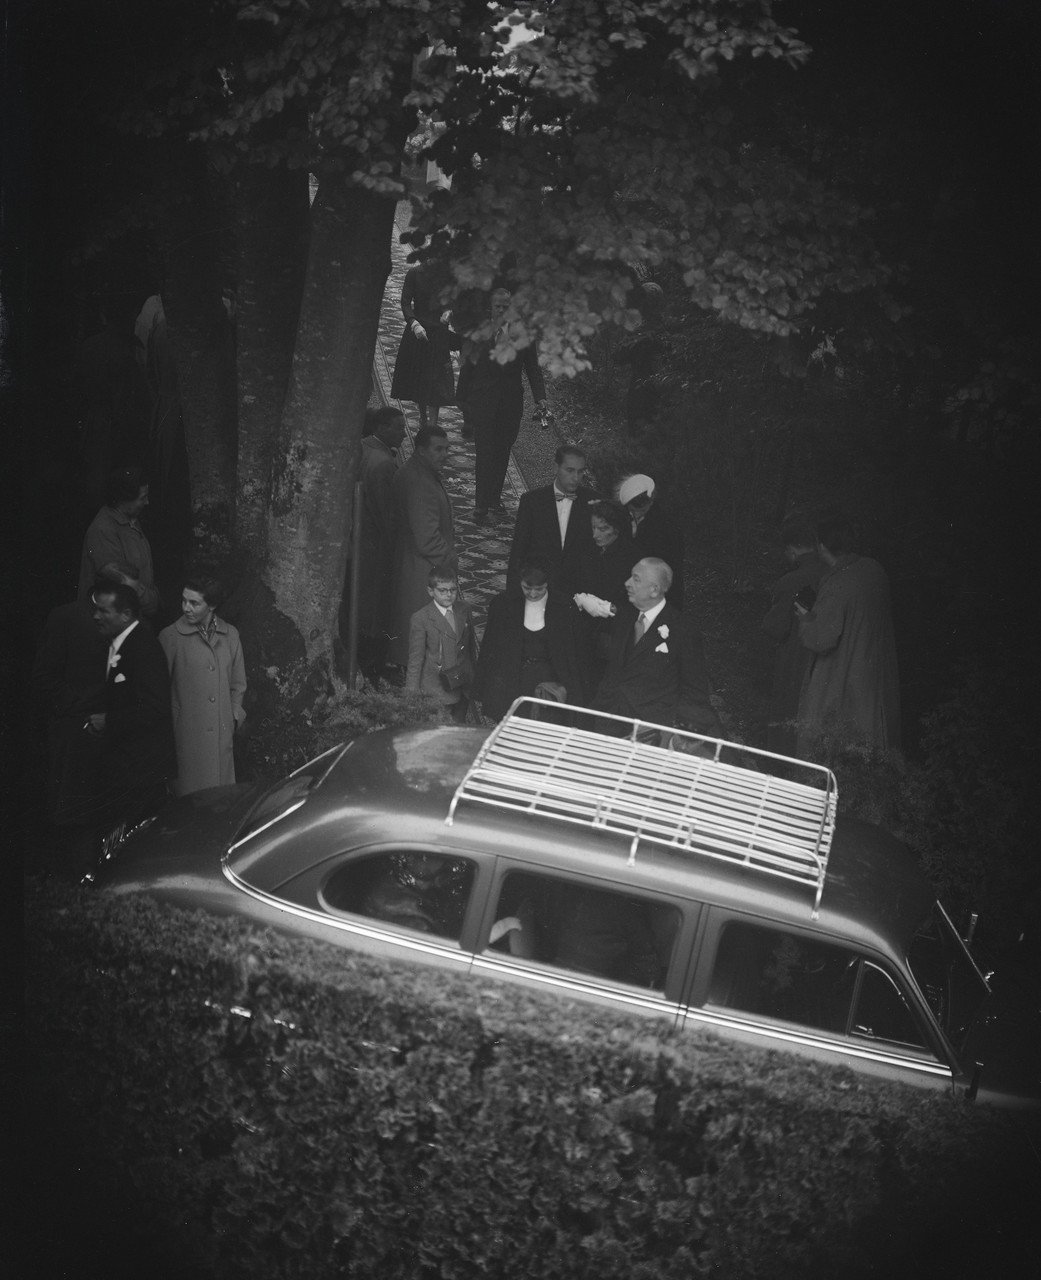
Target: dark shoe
[(480, 515)]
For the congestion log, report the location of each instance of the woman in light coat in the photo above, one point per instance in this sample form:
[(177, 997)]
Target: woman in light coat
[(207, 682)]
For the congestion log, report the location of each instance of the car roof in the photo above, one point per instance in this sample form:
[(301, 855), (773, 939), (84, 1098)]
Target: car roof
[(397, 787)]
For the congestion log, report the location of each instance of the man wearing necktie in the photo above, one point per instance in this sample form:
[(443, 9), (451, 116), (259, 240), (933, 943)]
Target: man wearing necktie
[(656, 665), (553, 523)]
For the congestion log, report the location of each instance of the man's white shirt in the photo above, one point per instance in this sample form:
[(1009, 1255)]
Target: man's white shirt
[(113, 649)]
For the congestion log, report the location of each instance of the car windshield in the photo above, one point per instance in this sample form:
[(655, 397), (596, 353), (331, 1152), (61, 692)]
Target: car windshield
[(288, 794), (953, 986)]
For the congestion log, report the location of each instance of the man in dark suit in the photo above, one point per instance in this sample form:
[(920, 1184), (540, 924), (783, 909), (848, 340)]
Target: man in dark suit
[(656, 666), (553, 523), (491, 396), (137, 746)]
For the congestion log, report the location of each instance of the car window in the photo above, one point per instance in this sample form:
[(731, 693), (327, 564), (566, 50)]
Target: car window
[(588, 930), (421, 891), (880, 1012), (816, 984)]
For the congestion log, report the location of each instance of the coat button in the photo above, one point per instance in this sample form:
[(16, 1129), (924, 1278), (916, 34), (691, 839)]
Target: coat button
[(212, 698), (210, 666)]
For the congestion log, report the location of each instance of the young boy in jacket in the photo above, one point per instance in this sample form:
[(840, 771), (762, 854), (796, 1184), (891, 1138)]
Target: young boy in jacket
[(441, 646)]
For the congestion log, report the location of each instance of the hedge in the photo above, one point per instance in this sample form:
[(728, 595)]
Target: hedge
[(370, 1120)]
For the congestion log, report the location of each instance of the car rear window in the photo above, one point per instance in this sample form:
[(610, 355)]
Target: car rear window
[(289, 793), (413, 889)]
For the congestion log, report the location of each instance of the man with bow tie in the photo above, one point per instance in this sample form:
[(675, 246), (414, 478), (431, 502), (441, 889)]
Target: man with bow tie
[(137, 749), (491, 396), (553, 523), (656, 665)]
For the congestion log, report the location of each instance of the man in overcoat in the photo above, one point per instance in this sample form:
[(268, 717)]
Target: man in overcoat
[(385, 430), (791, 659), (425, 535), (115, 535), (852, 690), (553, 523), (137, 746), (656, 665)]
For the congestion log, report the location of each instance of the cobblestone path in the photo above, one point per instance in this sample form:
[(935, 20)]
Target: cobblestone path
[(483, 549)]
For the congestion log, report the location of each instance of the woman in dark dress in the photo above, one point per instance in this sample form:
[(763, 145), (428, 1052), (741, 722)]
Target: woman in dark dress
[(423, 369), (531, 639), (603, 573)]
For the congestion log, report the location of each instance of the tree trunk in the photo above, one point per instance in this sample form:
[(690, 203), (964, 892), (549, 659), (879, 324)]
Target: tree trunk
[(195, 235), (271, 246), (316, 458)]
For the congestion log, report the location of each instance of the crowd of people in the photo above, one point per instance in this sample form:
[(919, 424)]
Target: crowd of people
[(133, 713), (593, 613)]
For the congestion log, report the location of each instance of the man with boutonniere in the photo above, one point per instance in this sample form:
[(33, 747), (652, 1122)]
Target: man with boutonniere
[(656, 665), (137, 745)]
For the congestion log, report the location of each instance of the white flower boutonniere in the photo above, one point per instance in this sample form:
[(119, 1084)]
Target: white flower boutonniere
[(663, 631), (662, 648)]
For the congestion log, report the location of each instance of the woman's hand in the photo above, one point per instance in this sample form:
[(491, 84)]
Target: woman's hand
[(418, 331)]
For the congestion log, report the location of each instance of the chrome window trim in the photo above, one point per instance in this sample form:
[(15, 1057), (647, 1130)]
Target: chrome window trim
[(337, 755), (575, 983), (425, 944), (320, 778), (297, 804), (849, 1047)]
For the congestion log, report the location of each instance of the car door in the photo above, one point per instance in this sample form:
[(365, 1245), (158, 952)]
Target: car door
[(778, 987), (586, 938)]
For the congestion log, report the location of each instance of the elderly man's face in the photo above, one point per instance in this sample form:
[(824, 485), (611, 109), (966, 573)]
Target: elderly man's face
[(644, 587)]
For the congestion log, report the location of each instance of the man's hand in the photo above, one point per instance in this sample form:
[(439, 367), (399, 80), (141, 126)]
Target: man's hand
[(95, 723)]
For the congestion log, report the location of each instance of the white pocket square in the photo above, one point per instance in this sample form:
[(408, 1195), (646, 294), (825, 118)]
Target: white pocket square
[(662, 648), (120, 676)]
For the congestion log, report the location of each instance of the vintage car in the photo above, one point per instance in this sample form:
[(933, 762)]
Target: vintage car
[(638, 869)]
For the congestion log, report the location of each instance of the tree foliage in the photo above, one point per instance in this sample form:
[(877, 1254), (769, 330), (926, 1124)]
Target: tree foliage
[(601, 143)]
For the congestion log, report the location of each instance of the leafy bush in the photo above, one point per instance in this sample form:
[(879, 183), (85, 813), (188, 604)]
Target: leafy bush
[(964, 806), (293, 732), (248, 1105)]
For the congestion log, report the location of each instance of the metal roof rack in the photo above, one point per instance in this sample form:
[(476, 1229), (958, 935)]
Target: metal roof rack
[(648, 786)]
